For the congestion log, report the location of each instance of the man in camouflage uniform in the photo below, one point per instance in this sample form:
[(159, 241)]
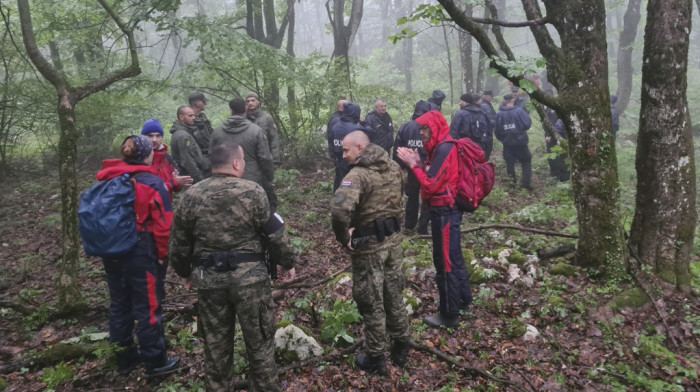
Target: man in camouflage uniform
[(264, 121), (222, 228), (366, 209), (186, 152), (202, 126)]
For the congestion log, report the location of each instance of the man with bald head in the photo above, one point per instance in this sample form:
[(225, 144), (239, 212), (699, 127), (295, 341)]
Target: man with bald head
[(186, 151), (380, 121), (365, 216)]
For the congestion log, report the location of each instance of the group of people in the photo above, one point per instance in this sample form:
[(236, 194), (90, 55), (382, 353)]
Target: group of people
[(222, 238)]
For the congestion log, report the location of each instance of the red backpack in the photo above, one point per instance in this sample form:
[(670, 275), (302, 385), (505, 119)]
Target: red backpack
[(476, 176)]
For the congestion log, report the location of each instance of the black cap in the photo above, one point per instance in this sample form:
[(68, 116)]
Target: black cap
[(466, 97), (515, 89), (476, 97), (194, 97), (488, 92), (508, 97)]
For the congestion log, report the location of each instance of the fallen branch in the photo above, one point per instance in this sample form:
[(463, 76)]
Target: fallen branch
[(243, 384), (303, 285), (512, 227), (472, 371)]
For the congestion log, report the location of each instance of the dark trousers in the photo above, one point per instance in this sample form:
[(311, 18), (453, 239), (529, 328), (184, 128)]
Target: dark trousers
[(136, 290), (271, 195), (341, 170), (557, 166), (413, 205), (487, 146), (451, 276), (519, 153)]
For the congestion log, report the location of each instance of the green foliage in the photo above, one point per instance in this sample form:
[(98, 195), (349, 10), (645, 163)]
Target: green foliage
[(335, 321), (38, 318), (695, 280), (53, 377), (177, 386), (3, 384), (185, 339), (632, 298), (564, 269), (52, 220)]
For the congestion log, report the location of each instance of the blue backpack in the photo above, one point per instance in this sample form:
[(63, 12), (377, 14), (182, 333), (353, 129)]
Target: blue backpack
[(108, 219)]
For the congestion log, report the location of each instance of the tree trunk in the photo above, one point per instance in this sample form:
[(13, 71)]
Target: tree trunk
[(479, 88), (665, 217), (624, 55), (344, 35), (291, 90), (449, 63), (465, 55), (68, 279), (407, 51)]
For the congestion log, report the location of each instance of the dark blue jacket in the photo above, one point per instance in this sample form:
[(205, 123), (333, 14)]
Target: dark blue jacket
[(409, 133), (464, 121), (383, 129), (559, 127), (490, 113), (512, 124), (329, 129), (349, 121)]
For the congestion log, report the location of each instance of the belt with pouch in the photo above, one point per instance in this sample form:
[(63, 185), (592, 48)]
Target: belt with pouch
[(227, 261), (382, 228)]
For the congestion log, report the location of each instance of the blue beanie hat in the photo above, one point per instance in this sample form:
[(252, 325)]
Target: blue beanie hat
[(152, 126)]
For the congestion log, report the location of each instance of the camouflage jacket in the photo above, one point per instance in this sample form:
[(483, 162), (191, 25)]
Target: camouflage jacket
[(187, 154), (221, 214), (372, 190), (265, 121), (202, 133)]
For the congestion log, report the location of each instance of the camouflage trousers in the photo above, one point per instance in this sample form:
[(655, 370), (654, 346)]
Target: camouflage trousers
[(378, 284), (255, 309)]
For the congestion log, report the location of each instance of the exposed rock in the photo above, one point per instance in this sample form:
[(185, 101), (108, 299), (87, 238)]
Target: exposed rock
[(531, 333), (412, 302), (293, 345), (633, 298), (513, 273), (563, 269)]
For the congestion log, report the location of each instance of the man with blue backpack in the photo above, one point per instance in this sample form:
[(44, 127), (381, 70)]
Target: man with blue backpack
[(126, 219)]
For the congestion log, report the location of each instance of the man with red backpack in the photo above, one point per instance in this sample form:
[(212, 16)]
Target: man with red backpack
[(439, 181)]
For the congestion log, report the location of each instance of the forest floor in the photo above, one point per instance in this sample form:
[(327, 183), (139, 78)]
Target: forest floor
[(589, 338)]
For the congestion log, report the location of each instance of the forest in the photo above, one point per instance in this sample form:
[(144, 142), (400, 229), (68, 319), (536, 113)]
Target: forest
[(590, 283)]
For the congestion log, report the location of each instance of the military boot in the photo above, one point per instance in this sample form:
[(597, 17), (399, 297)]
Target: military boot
[(166, 366), (369, 364), (441, 321), (399, 352)]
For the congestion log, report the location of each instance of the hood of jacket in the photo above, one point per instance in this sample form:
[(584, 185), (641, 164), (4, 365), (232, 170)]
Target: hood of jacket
[(422, 108), (178, 126), (112, 168), (235, 124), (438, 125), (507, 108), (373, 157), (474, 108), (351, 113)]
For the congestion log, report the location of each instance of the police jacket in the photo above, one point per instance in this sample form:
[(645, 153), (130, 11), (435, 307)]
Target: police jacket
[(264, 120), (371, 190), (187, 154), (440, 181), (490, 113), (471, 122), (383, 129), (512, 125), (349, 121), (228, 214), (259, 166), (329, 135), (409, 134), (154, 212)]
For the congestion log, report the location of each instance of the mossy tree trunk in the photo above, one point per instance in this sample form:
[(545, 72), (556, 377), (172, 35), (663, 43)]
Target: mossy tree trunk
[(665, 216), (579, 70), (69, 296)]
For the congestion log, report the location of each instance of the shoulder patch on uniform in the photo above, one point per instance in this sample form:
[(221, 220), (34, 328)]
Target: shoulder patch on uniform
[(188, 143), (347, 183), (339, 198)]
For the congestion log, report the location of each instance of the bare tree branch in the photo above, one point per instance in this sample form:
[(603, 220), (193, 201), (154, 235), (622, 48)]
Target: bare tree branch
[(544, 40), (527, 23)]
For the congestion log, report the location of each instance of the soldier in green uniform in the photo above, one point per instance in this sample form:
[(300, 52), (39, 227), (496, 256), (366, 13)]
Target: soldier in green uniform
[(186, 152), (220, 233), (202, 126), (366, 209)]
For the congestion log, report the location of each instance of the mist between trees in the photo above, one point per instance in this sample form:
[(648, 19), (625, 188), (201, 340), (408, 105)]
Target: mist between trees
[(128, 61)]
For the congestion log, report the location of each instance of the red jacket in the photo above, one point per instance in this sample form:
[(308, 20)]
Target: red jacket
[(441, 179), (154, 211), (165, 167)]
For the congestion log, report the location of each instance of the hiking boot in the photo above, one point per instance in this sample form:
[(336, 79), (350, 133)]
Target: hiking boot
[(441, 321), (399, 352), (169, 365), (128, 360), (376, 365)]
